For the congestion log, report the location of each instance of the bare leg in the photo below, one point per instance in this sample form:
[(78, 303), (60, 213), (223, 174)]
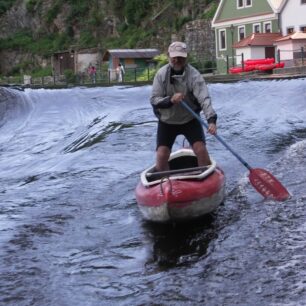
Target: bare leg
[(201, 152), (162, 157)]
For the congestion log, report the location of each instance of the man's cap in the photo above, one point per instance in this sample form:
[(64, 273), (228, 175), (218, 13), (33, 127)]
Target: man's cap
[(177, 49)]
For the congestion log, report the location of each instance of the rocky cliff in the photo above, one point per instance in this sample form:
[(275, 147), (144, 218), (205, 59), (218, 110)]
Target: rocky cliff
[(31, 30)]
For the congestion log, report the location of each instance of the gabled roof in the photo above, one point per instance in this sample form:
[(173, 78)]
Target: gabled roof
[(258, 39), (130, 53), (277, 5), (294, 36)]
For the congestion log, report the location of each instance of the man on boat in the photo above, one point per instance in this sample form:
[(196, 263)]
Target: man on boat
[(176, 82)]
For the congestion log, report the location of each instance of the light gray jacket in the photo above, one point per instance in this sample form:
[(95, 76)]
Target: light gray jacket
[(191, 84)]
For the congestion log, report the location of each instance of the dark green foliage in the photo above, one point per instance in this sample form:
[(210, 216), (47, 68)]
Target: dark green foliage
[(22, 68), (209, 66), (79, 9), (133, 19), (53, 12), (180, 21), (60, 42), (70, 76), (87, 39), (178, 4), (33, 5), (5, 5), (135, 10), (44, 45), (210, 14), (17, 41)]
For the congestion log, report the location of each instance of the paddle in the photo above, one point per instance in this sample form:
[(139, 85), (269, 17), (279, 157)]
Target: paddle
[(262, 180)]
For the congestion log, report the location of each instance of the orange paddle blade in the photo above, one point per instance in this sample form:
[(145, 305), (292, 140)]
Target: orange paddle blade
[(267, 185)]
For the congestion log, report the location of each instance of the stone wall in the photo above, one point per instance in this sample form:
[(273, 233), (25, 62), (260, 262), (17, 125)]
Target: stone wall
[(199, 37)]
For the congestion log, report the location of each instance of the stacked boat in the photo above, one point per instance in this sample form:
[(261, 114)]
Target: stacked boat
[(264, 64), (184, 192)]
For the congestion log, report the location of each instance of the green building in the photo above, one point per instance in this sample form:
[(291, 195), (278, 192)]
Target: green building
[(237, 19)]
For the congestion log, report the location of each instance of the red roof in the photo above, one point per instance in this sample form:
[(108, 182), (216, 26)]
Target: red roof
[(294, 36), (258, 39)]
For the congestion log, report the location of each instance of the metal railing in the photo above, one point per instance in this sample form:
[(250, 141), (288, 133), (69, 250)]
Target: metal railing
[(102, 77), (131, 75), (294, 57)]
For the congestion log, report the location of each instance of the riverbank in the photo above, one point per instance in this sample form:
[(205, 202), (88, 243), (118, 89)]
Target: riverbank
[(276, 74)]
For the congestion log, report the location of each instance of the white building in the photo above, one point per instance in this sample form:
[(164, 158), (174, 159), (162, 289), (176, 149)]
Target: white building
[(292, 49), (293, 16)]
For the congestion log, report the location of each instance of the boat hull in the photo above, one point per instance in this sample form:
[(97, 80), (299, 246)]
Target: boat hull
[(178, 200)]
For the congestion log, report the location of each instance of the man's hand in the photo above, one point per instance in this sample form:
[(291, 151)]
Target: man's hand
[(177, 98), (212, 129)]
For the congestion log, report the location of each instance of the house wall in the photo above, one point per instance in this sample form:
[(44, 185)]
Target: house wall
[(230, 11), (128, 62), (84, 60), (249, 53), (293, 15), (257, 52), (288, 47), (246, 54), (228, 15), (233, 36)]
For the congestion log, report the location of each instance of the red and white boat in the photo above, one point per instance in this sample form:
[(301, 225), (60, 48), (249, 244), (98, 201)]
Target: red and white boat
[(184, 192)]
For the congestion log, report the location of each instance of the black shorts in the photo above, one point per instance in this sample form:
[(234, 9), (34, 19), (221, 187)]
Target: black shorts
[(167, 133)]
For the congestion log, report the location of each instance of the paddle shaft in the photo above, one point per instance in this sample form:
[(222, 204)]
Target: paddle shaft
[(263, 181), (217, 136)]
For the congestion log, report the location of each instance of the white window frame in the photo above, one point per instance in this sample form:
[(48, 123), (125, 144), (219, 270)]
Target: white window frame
[(240, 7), (238, 32), (302, 26), (256, 24), (289, 28), (220, 39), (250, 5), (244, 4), (264, 26)]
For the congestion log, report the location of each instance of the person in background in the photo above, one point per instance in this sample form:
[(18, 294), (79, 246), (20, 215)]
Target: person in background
[(175, 82), (120, 72), (92, 73)]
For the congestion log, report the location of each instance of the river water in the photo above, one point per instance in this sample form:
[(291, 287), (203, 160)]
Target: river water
[(70, 229)]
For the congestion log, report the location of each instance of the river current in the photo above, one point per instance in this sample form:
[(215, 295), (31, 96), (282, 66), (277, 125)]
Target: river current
[(70, 229)]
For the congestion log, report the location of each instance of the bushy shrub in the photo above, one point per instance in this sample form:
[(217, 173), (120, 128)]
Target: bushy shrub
[(5, 5), (70, 76)]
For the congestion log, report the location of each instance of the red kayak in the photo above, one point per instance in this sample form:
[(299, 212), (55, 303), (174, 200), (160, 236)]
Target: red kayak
[(240, 69), (184, 192), (266, 67), (259, 61)]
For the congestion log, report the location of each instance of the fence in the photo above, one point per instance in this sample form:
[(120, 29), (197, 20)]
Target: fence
[(292, 58), (296, 57), (132, 75), (104, 78)]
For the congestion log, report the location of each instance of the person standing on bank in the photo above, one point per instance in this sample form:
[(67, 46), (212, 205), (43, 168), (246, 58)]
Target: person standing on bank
[(120, 72), (173, 83)]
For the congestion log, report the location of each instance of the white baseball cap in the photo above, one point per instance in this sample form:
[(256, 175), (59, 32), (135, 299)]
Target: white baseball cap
[(177, 49)]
